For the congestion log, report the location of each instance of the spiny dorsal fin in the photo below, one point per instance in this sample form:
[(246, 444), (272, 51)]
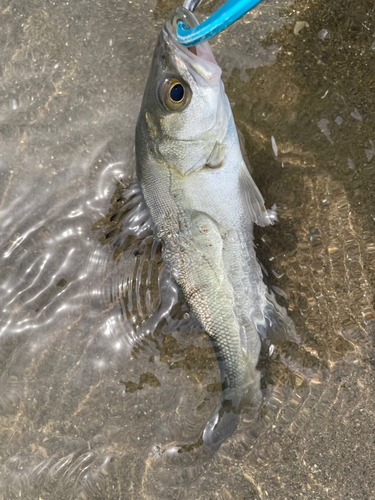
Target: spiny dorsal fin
[(245, 157), (253, 200)]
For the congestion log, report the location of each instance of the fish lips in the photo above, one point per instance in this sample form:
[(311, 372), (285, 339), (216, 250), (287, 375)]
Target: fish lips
[(195, 64)]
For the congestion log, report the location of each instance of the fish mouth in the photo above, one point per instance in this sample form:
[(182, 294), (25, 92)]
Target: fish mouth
[(198, 60)]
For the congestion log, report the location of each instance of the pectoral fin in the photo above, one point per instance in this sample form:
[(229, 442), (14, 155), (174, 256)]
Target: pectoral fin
[(216, 157)]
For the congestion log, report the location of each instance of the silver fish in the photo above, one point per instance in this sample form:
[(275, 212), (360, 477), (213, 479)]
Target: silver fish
[(203, 202)]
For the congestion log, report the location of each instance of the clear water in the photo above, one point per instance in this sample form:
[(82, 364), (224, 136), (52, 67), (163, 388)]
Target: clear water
[(99, 376)]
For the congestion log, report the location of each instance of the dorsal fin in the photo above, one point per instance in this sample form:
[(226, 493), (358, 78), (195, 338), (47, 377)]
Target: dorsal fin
[(253, 200), (245, 157)]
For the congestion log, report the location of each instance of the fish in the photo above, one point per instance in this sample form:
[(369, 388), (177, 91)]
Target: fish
[(203, 204)]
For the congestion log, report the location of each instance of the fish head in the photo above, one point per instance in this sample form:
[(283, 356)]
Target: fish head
[(185, 113)]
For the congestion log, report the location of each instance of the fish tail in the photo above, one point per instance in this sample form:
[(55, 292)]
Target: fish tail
[(244, 391)]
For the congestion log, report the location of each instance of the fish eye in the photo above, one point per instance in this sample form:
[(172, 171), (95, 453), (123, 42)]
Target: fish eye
[(175, 94)]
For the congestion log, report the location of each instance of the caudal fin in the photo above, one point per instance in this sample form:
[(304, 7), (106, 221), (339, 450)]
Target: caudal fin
[(221, 425)]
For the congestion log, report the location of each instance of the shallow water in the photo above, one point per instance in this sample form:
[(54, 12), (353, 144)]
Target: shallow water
[(89, 399)]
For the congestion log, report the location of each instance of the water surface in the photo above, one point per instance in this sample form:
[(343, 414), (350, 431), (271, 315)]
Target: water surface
[(98, 375)]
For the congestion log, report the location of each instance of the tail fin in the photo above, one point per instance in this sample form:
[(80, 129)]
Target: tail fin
[(221, 425)]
